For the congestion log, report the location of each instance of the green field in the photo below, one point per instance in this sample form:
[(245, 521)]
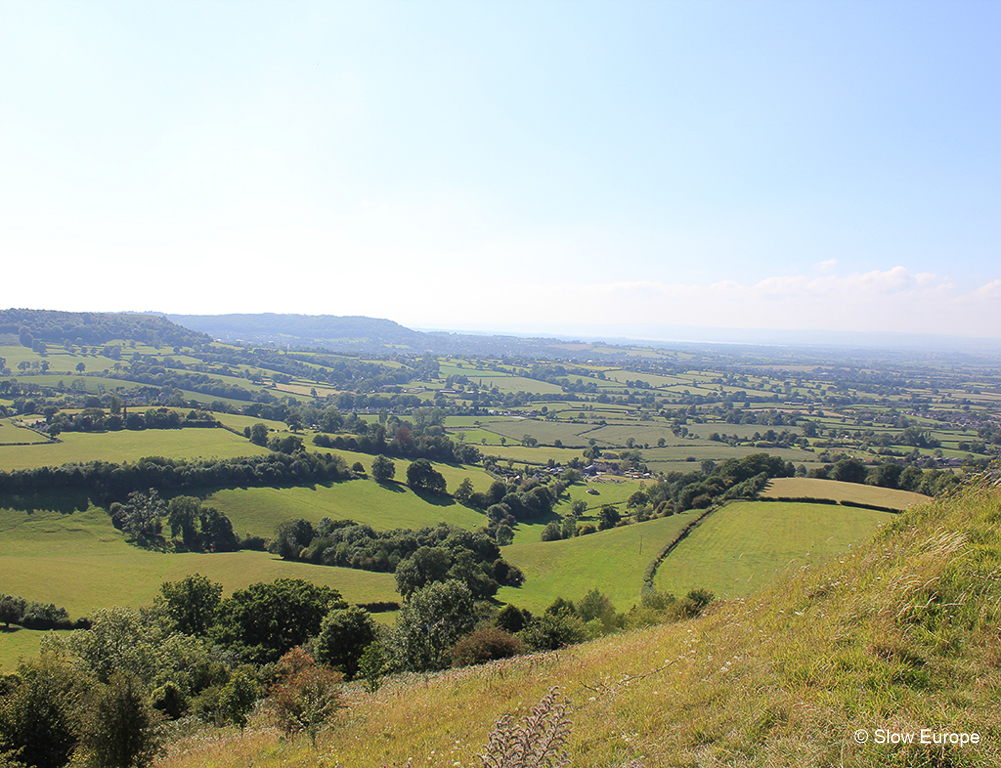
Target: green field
[(128, 445), (612, 561), (808, 487), (259, 510), (746, 544), (13, 435), (80, 562)]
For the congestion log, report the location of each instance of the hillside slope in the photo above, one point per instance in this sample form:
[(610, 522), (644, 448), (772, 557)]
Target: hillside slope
[(899, 637)]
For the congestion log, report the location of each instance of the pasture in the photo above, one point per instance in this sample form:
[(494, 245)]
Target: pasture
[(258, 510), (128, 445), (612, 561), (11, 434), (744, 545)]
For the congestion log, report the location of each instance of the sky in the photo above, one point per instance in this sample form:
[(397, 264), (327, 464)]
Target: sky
[(606, 168)]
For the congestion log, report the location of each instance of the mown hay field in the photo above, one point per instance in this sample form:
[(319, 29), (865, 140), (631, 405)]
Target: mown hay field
[(813, 488)]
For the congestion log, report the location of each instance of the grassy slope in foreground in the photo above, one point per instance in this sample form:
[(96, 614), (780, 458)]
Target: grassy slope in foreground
[(746, 544), (900, 636), (814, 488)]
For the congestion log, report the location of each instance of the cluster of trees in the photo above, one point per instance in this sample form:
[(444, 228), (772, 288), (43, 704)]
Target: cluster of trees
[(417, 557), (29, 614), (100, 696), (731, 479), (887, 475), (107, 482), (193, 528), (94, 419)]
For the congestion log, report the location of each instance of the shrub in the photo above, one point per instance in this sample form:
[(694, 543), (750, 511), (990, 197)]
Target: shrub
[(554, 631), (693, 604), (305, 695), (121, 728), (485, 645)]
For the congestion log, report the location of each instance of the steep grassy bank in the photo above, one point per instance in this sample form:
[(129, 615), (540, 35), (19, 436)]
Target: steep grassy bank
[(900, 636)]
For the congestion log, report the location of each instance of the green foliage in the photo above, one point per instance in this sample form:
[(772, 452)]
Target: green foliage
[(465, 491), (512, 619), (265, 621), (372, 666), (595, 605), (259, 434), (421, 476), (120, 727), (429, 623), (238, 697), (291, 537), (344, 635), (553, 631), (38, 712), (191, 603), (383, 469), (694, 603), (136, 643), (201, 529)]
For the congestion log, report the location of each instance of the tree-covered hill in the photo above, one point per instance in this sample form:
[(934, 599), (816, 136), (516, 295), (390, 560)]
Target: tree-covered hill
[(55, 327), (305, 330)]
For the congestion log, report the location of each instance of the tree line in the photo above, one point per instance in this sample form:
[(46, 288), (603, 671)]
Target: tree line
[(107, 482)]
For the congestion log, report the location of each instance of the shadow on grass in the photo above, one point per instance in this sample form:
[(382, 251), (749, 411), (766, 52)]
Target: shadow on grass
[(434, 498), (391, 485), (64, 502)]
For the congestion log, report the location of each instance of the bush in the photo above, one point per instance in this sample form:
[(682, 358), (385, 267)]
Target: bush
[(305, 696), (485, 645), (554, 631), (693, 604)]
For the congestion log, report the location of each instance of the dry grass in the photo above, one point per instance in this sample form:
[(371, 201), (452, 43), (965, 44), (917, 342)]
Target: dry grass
[(901, 635)]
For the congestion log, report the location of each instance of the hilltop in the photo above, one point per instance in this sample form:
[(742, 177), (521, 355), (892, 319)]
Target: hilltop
[(899, 636)]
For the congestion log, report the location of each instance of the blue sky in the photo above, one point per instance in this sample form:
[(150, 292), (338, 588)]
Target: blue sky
[(606, 168)]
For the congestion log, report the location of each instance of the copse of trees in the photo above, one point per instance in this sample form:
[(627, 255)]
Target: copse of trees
[(417, 557), (29, 614)]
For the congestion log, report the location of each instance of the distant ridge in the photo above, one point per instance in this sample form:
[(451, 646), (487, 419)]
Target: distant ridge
[(350, 332), (359, 335)]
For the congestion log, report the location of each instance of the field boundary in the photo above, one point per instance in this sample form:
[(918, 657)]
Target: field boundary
[(651, 570), (834, 502)]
